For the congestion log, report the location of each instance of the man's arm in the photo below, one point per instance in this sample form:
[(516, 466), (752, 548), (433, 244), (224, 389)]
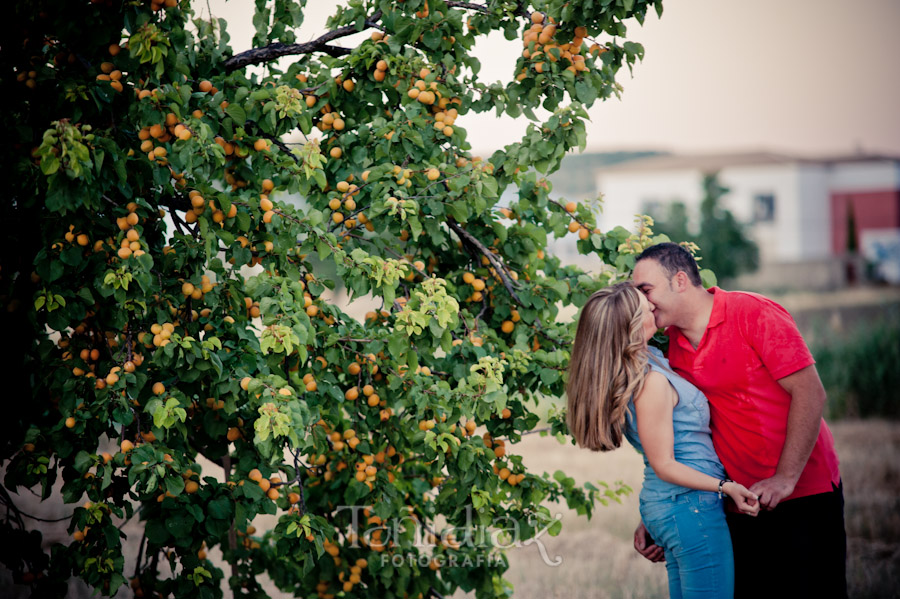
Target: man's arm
[(804, 420)]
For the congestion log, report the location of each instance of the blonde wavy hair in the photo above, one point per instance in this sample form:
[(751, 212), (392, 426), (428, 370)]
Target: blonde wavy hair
[(608, 366)]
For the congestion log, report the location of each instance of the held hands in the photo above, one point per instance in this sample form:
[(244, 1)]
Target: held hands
[(743, 498), (772, 491)]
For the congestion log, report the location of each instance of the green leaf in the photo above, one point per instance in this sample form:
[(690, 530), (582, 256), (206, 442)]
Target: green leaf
[(221, 508), (708, 278), (156, 532), (585, 92), (319, 176), (236, 113), (224, 203), (549, 376), (49, 165), (174, 485), (398, 343), (555, 528), (83, 462)]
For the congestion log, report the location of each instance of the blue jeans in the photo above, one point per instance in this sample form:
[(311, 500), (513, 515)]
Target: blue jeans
[(691, 528)]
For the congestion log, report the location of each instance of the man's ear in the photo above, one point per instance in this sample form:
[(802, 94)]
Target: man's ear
[(680, 282)]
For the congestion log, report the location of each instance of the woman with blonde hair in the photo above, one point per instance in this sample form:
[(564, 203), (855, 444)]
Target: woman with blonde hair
[(618, 386)]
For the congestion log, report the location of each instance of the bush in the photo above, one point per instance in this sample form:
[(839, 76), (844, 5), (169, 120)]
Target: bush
[(860, 372)]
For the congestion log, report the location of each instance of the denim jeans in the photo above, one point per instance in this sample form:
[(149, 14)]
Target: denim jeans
[(691, 528)]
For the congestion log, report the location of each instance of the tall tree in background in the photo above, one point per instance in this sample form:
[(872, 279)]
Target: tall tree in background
[(724, 246)]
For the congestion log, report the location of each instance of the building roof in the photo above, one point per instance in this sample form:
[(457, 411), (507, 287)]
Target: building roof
[(710, 163)]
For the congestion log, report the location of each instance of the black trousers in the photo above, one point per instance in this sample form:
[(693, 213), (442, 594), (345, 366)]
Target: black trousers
[(797, 550)]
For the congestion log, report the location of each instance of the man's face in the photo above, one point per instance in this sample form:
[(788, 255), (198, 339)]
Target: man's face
[(650, 278), (648, 319)]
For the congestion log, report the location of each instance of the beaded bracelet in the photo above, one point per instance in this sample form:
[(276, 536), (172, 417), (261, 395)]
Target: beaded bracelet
[(722, 484)]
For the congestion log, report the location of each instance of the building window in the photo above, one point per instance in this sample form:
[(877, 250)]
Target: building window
[(764, 208)]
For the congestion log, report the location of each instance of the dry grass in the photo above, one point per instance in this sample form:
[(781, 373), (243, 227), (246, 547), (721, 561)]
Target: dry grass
[(598, 560), (870, 466)]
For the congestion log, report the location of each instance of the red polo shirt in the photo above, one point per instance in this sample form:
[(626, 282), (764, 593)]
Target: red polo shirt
[(750, 343)]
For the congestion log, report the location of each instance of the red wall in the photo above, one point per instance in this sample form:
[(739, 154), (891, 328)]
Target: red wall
[(871, 210)]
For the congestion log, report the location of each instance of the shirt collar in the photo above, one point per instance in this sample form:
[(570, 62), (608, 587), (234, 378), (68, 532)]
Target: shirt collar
[(717, 316)]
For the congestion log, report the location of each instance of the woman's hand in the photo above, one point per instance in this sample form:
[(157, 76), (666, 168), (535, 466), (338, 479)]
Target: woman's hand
[(745, 500)]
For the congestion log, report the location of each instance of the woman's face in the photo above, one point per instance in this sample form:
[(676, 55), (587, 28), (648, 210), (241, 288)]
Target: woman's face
[(649, 320)]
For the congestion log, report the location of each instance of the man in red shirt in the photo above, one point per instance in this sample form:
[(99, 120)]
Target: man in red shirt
[(766, 403)]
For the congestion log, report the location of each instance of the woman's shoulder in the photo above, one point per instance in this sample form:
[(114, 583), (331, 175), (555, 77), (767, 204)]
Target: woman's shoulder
[(655, 385)]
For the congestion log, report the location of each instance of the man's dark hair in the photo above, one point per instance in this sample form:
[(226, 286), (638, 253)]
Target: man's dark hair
[(673, 258)]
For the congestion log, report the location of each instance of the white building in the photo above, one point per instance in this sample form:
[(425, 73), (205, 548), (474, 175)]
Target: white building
[(800, 210)]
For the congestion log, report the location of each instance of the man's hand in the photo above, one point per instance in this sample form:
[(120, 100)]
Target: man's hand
[(643, 544), (804, 420), (745, 499), (772, 490)]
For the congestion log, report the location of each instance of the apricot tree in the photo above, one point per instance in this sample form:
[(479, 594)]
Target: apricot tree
[(178, 218)]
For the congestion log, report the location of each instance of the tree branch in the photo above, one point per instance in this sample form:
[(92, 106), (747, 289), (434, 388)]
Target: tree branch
[(10, 505), (520, 11), (302, 502), (277, 50), (275, 140), (468, 5), (499, 267), (140, 555), (232, 533)]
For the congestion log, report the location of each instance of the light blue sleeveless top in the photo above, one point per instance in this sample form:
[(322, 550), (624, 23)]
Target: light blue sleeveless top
[(693, 444)]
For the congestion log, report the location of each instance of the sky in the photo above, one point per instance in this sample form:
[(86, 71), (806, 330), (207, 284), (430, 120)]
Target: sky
[(807, 77)]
